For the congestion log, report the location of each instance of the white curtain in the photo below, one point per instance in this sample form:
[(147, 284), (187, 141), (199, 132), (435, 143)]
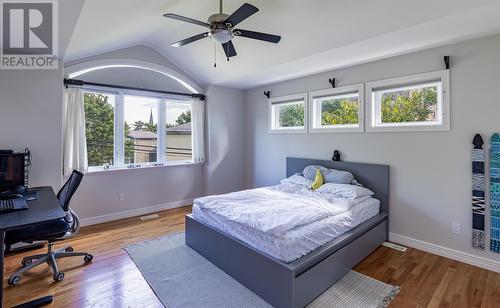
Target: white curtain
[(198, 130), (74, 142)]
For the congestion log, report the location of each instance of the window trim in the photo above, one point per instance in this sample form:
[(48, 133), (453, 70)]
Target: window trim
[(410, 80), (284, 100), (341, 128), (177, 163), (119, 138)]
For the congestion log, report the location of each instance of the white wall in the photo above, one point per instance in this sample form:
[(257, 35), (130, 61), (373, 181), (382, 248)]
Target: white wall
[(430, 171), (31, 116), (225, 140)]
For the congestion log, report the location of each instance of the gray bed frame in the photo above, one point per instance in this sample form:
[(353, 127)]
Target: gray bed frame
[(297, 283)]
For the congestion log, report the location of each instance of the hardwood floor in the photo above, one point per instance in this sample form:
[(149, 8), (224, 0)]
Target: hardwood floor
[(112, 280)]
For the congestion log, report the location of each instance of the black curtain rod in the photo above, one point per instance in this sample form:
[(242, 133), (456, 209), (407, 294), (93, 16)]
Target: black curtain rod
[(80, 83)]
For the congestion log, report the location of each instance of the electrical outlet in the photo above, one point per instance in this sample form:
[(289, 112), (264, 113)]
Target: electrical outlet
[(121, 197), (455, 228)]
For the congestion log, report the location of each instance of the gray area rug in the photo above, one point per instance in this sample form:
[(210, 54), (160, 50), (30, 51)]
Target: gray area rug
[(180, 277)]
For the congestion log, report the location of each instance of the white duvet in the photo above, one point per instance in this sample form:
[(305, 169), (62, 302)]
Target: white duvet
[(274, 210), (298, 241)]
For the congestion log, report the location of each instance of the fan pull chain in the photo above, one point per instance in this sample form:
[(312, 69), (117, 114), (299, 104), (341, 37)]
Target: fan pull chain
[(215, 55)]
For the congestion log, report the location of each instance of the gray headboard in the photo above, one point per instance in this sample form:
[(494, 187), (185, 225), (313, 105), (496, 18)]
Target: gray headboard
[(374, 177)]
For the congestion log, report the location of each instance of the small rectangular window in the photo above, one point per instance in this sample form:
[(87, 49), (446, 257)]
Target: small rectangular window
[(337, 110), (178, 131), (287, 114), (413, 103), (99, 128)]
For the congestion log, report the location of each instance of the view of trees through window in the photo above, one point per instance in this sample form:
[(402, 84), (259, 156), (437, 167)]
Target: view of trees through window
[(99, 128), (339, 111), (411, 105), (291, 115), (416, 102), (140, 129)]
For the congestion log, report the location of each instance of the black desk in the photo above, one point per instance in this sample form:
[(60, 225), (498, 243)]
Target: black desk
[(46, 208)]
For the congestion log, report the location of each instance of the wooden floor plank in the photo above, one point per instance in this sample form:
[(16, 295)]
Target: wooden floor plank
[(113, 280)]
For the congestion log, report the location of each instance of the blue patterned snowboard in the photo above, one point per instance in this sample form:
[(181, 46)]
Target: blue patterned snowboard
[(478, 239), (495, 193)]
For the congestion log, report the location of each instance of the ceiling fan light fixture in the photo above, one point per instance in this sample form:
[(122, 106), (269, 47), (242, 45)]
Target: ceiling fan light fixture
[(221, 35), (221, 28)]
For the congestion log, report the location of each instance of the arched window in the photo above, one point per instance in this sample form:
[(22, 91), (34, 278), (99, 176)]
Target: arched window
[(131, 128)]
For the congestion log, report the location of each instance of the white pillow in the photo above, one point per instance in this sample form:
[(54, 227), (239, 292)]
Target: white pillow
[(346, 191), (297, 180)]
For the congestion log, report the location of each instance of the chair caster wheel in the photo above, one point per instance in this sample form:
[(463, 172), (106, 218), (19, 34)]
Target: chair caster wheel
[(59, 277), (69, 249), (14, 280), (26, 262), (88, 258)]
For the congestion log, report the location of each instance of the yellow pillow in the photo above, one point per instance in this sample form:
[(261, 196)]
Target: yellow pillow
[(318, 181)]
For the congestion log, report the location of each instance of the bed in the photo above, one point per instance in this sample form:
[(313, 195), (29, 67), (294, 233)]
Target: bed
[(296, 283)]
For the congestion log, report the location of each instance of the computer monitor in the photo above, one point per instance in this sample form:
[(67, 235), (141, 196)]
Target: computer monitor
[(12, 171)]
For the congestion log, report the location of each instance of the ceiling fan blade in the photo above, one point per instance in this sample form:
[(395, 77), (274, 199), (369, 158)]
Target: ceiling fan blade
[(245, 11), (187, 19), (229, 49), (190, 39), (258, 36)]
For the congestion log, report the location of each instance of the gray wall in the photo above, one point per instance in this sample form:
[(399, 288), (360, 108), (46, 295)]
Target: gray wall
[(98, 198), (156, 188), (31, 108), (31, 116), (134, 77), (225, 133), (430, 171), (139, 52)]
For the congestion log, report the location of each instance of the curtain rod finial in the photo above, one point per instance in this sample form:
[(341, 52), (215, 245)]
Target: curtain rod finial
[(73, 82), (201, 97)]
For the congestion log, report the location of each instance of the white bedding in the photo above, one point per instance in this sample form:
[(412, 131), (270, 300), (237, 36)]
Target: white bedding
[(273, 210), (282, 233)]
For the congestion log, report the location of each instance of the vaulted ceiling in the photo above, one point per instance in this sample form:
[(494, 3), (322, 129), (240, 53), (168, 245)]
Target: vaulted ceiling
[(317, 35)]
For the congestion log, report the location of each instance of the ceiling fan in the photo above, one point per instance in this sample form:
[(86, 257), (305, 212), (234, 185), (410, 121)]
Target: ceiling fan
[(221, 28)]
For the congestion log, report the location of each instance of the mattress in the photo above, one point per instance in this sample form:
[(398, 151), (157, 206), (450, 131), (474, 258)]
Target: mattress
[(297, 242)]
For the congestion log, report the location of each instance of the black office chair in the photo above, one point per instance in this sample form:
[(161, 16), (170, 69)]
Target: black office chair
[(51, 232)]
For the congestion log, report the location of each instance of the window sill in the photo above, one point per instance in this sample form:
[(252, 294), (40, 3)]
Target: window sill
[(408, 128), (339, 129), (287, 131), (98, 171)]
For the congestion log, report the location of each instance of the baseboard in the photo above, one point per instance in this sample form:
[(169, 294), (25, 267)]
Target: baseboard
[(446, 252), (135, 212)]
